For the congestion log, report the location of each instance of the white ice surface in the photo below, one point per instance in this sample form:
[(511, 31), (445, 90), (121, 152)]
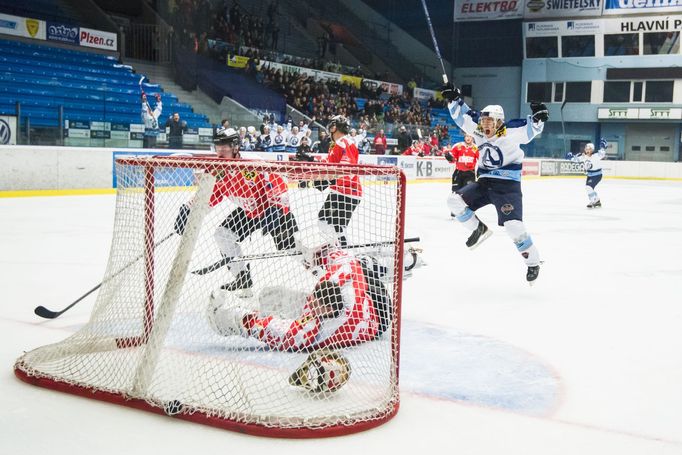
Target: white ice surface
[(588, 361)]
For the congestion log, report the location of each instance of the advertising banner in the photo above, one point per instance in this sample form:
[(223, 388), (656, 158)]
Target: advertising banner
[(560, 28), (163, 176), (643, 24), (488, 10), (620, 7), (22, 26), (8, 130), (62, 33), (98, 39), (352, 80), (530, 167), (237, 61), (541, 9), (388, 87), (425, 94)]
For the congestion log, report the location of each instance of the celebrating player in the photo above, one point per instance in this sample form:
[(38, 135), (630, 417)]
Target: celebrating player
[(263, 203), (592, 164), (150, 119), (348, 305), (499, 173)]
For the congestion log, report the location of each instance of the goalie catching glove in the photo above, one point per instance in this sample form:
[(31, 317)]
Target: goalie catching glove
[(324, 371)]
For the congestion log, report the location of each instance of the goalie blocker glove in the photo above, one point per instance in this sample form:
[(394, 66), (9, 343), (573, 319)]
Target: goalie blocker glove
[(540, 112), (181, 220), (450, 92)]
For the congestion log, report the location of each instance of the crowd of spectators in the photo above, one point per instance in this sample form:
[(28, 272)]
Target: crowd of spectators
[(229, 29)]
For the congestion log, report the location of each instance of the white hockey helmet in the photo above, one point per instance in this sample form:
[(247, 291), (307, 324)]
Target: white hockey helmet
[(589, 146), (324, 371), (494, 112)]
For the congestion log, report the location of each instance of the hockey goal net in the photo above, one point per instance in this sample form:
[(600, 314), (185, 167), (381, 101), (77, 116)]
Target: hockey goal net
[(149, 343)]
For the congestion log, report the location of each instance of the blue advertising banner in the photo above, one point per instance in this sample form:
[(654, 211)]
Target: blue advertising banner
[(163, 176), (61, 32), (619, 7)]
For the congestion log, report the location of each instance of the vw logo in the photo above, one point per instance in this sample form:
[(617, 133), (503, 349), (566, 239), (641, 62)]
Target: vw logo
[(5, 133)]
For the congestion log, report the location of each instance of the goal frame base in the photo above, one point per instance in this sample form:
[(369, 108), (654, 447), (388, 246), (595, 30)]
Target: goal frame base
[(202, 417)]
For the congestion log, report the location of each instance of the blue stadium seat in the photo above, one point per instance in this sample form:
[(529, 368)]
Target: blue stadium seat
[(89, 87)]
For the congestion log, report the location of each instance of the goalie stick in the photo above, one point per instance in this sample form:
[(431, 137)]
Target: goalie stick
[(49, 314), (224, 261)]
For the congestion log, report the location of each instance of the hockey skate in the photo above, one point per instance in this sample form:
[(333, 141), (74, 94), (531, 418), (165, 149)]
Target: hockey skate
[(479, 235), (532, 274), (594, 205), (241, 285)]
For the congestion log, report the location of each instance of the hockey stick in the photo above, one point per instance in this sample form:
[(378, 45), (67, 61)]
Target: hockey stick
[(224, 261), (49, 314), (435, 43)]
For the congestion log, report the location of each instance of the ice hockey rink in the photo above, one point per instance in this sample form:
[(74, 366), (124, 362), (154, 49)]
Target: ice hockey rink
[(589, 360)]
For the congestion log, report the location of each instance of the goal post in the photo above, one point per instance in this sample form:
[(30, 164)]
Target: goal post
[(151, 341)]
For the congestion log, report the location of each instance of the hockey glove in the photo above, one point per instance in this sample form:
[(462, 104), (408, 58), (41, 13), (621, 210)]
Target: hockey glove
[(569, 156), (450, 92), (540, 112), (181, 219), (603, 144), (448, 156)]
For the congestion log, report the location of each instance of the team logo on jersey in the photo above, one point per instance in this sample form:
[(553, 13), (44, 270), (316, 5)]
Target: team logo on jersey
[(279, 139), (587, 165), (249, 175), (507, 209), (492, 156)]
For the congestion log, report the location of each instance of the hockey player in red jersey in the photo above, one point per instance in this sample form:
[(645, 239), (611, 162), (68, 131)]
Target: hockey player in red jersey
[(262, 204), (465, 156), (348, 305), (345, 193)]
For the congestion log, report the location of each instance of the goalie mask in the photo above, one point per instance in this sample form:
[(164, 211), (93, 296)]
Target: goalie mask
[(491, 120), (322, 372)]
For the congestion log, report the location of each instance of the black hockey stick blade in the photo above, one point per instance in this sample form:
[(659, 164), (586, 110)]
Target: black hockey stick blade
[(49, 314), (210, 268)]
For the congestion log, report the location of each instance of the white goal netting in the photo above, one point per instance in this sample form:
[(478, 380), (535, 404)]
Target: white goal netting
[(205, 311)]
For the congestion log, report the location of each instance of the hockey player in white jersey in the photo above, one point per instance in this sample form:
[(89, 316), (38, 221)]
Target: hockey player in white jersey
[(593, 168), (499, 173)]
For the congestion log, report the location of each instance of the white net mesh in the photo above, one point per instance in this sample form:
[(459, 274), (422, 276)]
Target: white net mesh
[(245, 342)]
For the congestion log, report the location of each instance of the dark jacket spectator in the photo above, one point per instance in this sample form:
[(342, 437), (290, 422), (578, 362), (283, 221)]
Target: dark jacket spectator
[(404, 140), (176, 128), (325, 142)]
